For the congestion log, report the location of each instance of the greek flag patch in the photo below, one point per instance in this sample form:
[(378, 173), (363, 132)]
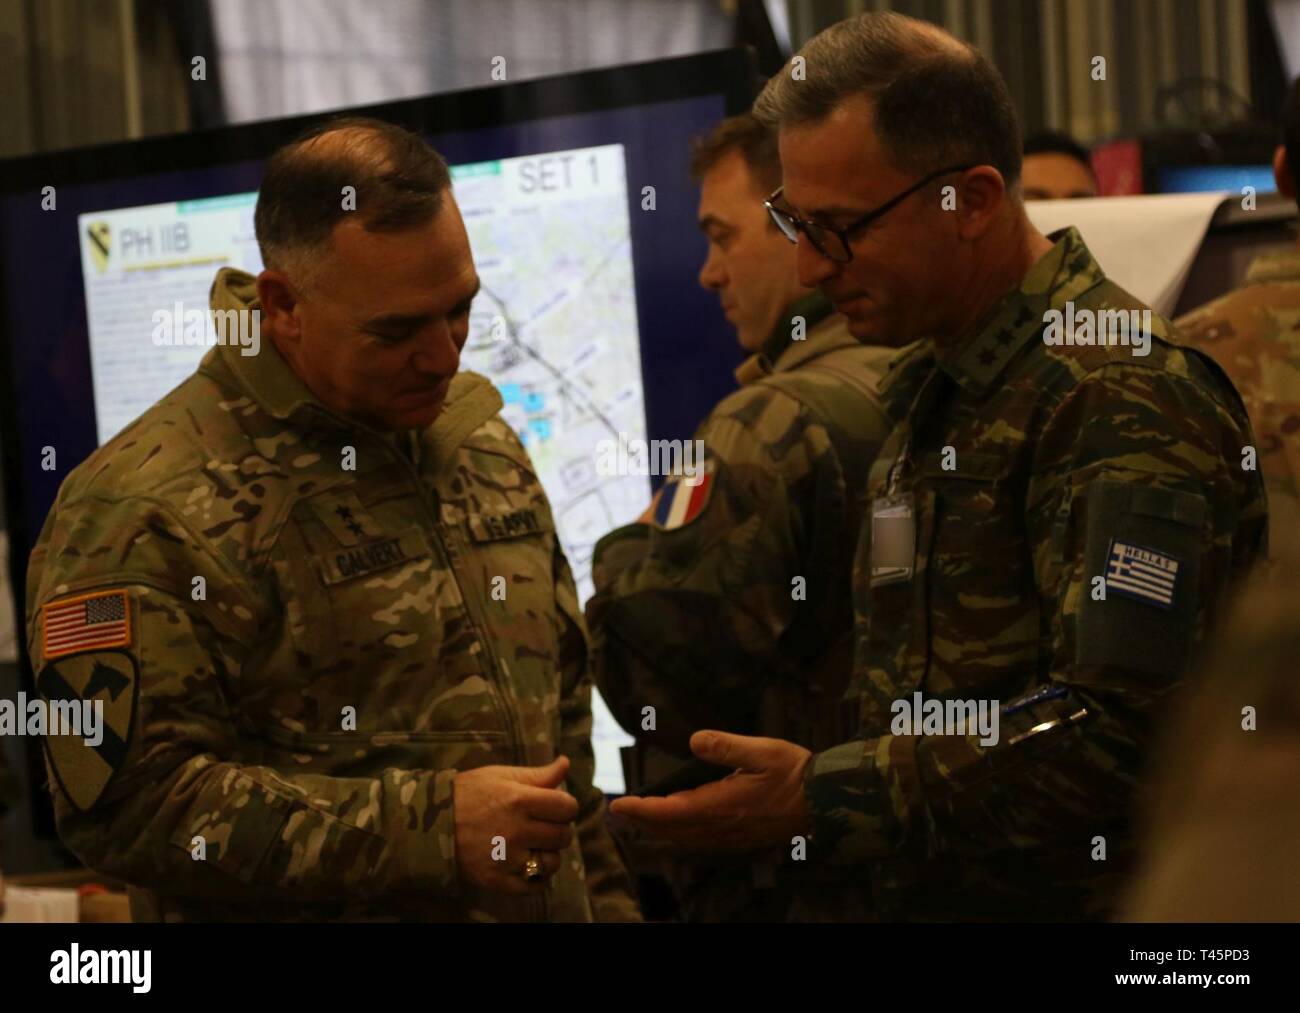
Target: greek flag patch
[(1142, 574)]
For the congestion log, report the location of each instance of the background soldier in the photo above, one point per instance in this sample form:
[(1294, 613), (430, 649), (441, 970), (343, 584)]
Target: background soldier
[(1252, 334), (1053, 526), (1221, 835), (1056, 167), (734, 613), (332, 689)]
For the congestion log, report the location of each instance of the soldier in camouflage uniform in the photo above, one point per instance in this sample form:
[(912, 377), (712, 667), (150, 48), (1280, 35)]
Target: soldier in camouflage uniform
[(339, 647), (735, 613), (1053, 525), (1254, 334), (1251, 333)]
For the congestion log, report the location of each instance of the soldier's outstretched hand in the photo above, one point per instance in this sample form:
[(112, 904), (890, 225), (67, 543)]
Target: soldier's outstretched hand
[(507, 815), (758, 805)]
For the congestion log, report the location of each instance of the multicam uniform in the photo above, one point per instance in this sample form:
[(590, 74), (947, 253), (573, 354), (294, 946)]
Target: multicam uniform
[(1026, 479), (734, 611), (1254, 334), (296, 657)]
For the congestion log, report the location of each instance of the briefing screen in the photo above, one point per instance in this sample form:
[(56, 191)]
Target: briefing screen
[(143, 268), (580, 276)]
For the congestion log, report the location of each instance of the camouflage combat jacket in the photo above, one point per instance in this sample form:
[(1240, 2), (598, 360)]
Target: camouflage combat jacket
[(1254, 334), (1079, 514), (739, 618), (297, 653)]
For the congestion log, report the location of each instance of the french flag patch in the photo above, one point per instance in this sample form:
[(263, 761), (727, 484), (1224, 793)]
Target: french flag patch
[(680, 502)]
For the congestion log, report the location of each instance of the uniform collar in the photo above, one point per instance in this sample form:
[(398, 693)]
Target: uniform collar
[(269, 381), (780, 351), (1063, 273), (265, 377), (1281, 266)]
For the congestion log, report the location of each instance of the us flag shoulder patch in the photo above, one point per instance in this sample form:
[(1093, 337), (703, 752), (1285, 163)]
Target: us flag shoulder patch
[(89, 622), (1142, 574), (682, 499)]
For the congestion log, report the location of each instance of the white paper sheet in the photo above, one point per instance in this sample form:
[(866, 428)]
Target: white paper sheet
[(1145, 244), (40, 904)]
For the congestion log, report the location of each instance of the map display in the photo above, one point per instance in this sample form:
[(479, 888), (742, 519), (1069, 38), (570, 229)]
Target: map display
[(555, 327)]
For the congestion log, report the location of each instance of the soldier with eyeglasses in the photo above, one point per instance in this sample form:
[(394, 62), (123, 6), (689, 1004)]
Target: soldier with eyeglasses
[(1052, 526)]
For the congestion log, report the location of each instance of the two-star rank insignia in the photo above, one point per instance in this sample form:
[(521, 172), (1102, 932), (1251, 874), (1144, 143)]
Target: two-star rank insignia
[(345, 518)]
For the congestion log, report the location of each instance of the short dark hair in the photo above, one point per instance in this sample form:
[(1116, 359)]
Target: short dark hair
[(399, 179), (747, 136), (937, 101), (1291, 132), (1053, 142)]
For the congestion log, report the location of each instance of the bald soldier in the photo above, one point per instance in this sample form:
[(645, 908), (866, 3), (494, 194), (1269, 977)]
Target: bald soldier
[(1254, 334), (1055, 522), (319, 591), (734, 611)]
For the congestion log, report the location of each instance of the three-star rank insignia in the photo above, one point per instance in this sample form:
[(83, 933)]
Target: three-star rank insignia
[(89, 682)]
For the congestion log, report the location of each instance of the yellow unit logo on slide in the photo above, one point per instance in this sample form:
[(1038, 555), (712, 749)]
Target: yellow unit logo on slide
[(99, 234)]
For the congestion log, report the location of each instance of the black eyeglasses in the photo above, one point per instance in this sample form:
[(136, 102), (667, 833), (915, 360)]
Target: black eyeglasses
[(833, 243)]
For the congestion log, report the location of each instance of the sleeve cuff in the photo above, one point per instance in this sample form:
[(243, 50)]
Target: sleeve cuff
[(857, 798), (428, 859)]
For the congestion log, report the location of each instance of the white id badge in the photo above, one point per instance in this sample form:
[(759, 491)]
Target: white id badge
[(893, 539)]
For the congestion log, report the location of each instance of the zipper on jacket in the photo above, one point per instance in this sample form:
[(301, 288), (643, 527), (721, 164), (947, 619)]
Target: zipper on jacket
[(540, 906), (427, 500)]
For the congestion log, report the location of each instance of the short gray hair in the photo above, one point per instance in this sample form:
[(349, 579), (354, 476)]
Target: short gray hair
[(400, 182), (937, 101)]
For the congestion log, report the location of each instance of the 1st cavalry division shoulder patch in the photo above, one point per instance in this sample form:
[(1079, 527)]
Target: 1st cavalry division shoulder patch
[(85, 667)]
